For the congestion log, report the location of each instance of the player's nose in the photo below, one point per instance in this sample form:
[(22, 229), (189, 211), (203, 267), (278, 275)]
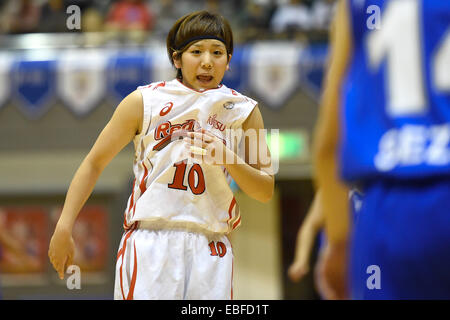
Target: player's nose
[(206, 61)]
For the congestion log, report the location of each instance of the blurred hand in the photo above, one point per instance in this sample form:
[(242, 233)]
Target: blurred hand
[(331, 272), (298, 269), (306, 236), (61, 250), (305, 241)]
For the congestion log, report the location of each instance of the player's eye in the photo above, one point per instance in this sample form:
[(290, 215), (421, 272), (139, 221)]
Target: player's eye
[(218, 53), (196, 51)]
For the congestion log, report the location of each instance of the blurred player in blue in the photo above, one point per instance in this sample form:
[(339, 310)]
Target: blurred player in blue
[(384, 125)]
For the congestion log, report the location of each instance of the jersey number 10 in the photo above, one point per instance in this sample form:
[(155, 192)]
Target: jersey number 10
[(399, 39), (197, 187)]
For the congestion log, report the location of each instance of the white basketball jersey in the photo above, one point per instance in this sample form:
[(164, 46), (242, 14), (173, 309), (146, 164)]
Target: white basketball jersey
[(168, 191)]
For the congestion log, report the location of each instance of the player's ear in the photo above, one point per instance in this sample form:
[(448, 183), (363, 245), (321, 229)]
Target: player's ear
[(176, 60), (228, 63)]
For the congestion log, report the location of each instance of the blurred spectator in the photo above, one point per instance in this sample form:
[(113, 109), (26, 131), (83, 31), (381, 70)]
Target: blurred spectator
[(293, 16), (92, 20), (169, 11), (54, 17), (20, 16), (254, 20), (126, 15), (322, 12)]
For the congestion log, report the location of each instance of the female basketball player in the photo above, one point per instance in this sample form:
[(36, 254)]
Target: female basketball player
[(180, 212)]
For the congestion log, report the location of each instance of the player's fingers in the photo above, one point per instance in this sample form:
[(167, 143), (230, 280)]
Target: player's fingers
[(198, 143), (54, 261), (321, 284), (208, 135), (200, 130), (69, 261), (340, 290), (194, 139), (179, 133), (320, 277), (199, 136), (59, 266), (194, 135), (61, 270), (297, 271)]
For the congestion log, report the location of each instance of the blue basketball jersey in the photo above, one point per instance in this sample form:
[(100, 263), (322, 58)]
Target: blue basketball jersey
[(395, 111)]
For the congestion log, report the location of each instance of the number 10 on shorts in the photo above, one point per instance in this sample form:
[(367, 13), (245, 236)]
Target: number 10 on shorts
[(218, 248)]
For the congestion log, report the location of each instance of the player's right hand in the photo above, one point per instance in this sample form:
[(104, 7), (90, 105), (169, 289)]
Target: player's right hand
[(300, 266), (61, 250), (297, 270)]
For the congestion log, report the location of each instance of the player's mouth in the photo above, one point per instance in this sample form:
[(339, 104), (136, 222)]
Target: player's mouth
[(205, 79)]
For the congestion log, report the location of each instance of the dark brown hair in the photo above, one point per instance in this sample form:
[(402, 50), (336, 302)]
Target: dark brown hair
[(196, 26)]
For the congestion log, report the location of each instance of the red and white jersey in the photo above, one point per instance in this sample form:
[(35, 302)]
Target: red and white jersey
[(169, 191)]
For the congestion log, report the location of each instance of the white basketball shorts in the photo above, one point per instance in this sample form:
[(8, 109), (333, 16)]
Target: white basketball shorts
[(173, 265)]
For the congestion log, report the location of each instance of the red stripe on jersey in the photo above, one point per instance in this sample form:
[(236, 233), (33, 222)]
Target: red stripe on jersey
[(230, 209), (161, 84), (142, 188), (142, 185), (122, 253), (232, 274), (236, 223), (134, 210), (133, 277)]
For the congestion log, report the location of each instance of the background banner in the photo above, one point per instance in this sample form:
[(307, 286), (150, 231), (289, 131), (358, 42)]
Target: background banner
[(82, 78)]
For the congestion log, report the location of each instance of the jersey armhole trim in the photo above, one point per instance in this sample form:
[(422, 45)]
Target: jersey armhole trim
[(147, 114)]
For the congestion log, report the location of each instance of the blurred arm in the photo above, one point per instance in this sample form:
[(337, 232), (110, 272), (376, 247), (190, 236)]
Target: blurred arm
[(327, 133)]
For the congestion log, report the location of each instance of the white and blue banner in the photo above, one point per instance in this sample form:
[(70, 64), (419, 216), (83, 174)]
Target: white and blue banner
[(126, 71), (33, 84), (273, 72), (311, 64), (82, 78), (162, 69), (237, 76)]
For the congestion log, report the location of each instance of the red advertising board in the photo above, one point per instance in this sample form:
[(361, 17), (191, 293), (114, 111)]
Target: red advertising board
[(24, 237)]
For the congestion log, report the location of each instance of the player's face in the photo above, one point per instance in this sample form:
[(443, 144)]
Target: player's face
[(203, 64)]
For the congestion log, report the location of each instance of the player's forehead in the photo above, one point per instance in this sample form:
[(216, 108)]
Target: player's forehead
[(210, 43)]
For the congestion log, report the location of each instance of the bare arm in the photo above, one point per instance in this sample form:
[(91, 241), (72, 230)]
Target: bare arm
[(332, 266), (254, 179), (120, 130), (327, 134)]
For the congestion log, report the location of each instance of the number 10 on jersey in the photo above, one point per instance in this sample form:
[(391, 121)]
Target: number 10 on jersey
[(195, 180), (217, 248)]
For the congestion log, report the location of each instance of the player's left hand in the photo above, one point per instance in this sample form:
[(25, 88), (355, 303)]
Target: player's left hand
[(331, 272), (203, 146)]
